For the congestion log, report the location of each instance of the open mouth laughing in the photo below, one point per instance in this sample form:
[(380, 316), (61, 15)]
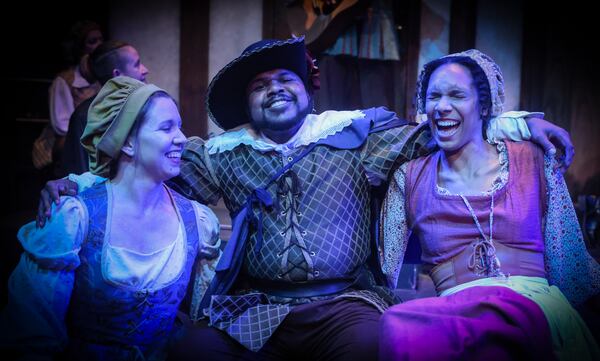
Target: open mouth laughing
[(446, 127)]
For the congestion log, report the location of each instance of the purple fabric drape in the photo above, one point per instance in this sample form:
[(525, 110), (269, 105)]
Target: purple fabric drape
[(479, 323)]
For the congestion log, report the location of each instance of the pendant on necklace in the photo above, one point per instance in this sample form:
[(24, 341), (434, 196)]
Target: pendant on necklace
[(483, 261)]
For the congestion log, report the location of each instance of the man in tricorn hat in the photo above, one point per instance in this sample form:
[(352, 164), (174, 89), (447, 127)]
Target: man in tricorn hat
[(300, 276)]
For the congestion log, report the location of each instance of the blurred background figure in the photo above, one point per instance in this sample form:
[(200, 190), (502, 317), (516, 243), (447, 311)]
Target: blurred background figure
[(68, 89), (110, 59)]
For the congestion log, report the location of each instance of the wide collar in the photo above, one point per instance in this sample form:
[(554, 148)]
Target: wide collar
[(315, 128)]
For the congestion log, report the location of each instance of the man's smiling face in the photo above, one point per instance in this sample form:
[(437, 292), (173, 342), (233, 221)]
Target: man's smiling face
[(277, 100)]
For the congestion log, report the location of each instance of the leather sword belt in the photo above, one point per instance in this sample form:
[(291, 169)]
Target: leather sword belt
[(301, 289)]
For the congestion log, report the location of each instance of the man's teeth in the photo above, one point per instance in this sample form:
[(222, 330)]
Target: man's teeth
[(447, 123), (174, 155), (277, 103)]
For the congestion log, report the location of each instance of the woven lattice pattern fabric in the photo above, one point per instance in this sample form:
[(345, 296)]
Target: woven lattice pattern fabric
[(319, 226), (252, 318), (321, 229), (249, 319)]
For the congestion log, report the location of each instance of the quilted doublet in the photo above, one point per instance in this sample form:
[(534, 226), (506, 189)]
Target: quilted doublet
[(319, 225)]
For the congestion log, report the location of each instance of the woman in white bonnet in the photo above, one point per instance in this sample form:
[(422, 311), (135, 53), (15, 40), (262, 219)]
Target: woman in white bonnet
[(496, 226)]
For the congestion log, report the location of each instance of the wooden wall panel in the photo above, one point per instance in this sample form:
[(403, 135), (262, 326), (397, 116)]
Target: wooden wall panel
[(193, 77)]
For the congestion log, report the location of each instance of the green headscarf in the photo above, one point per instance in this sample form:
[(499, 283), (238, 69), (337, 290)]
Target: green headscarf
[(111, 117)]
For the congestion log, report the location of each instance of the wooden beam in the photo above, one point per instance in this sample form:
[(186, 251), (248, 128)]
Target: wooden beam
[(275, 24), (412, 40), (268, 24), (463, 25), (533, 63), (193, 72)]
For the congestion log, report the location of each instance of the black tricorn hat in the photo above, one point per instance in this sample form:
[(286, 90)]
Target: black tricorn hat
[(226, 99)]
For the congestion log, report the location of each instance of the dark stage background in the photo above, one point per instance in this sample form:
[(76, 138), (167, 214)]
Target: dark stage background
[(560, 76)]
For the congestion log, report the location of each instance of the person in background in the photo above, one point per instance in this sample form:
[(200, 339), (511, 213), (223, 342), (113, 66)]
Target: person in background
[(110, 59), (68, 89), (75, 84)]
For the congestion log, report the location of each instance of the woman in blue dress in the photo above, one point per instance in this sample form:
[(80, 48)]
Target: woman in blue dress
[(103, 280)]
